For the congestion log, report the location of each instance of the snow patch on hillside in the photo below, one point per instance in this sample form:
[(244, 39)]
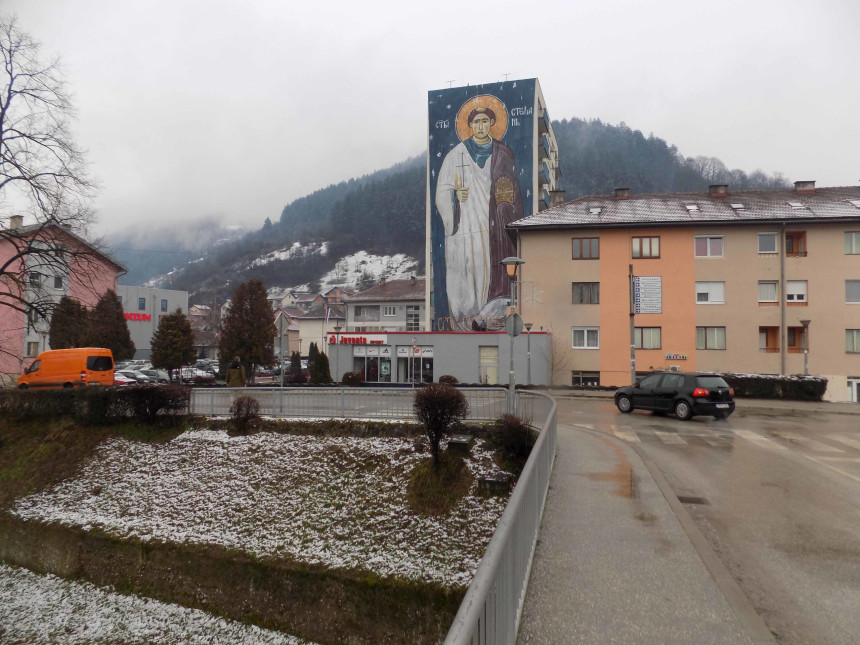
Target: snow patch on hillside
[(351, 269), (289, 252)]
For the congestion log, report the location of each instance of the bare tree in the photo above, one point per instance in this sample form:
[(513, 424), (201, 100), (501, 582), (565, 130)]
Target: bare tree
[(44, 186)]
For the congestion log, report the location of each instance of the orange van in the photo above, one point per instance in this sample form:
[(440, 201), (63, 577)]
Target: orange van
[(75, 367)]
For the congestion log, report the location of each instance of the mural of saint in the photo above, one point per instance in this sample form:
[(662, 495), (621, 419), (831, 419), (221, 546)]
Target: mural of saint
[(477, 194)]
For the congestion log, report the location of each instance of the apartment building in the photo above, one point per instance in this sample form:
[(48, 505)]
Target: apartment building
[(761, 282), (396, 305)]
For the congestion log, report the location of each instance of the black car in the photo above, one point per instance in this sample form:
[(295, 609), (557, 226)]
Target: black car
[(687, 395)]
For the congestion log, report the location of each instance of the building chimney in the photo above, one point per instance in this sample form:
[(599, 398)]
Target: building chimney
[(804, 187), (16, 222), (413, 280), (556, 198), (622, 193), (718, 190)]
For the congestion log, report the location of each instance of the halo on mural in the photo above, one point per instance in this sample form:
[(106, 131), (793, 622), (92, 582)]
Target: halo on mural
[(497, 130)]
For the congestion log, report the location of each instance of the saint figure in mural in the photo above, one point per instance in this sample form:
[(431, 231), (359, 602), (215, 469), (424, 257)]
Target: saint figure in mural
[(477, 194)]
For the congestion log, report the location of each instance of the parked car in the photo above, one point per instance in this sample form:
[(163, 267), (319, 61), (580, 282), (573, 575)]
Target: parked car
[(684, 394), (195, 376), (139, 377), (156, 375), (121, 379)]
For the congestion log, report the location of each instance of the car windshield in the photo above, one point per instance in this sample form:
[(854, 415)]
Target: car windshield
[(711, 382)]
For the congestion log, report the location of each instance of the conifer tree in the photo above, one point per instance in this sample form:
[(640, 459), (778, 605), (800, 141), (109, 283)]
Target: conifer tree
[(320, 372), (106, 327), (248, 330), (68, 324), (173, 343)]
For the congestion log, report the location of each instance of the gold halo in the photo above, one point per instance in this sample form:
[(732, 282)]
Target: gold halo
[(497, 130)]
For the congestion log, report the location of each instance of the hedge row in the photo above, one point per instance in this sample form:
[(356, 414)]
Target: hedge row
[(96, 405), (763, 386)]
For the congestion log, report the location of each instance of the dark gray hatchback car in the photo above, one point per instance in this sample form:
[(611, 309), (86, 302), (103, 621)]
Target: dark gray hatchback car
[(687, 395)]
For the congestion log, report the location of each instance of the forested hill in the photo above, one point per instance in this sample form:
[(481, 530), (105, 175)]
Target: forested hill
[(383, 213)]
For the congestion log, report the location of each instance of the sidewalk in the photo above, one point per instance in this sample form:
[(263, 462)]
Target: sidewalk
[(616, 561)]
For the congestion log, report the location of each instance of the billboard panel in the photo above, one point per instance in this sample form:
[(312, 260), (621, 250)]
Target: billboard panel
[(481, 158)]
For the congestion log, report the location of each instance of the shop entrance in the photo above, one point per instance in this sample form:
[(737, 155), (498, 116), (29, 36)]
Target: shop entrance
[(373, 363)]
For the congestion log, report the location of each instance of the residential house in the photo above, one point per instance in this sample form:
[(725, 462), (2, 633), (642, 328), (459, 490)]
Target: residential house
[(397, 305)]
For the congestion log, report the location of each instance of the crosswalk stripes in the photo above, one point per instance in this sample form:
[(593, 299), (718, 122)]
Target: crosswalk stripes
[(627, 436), (811, 444), (848, 441), (757, 438), (669, 437)]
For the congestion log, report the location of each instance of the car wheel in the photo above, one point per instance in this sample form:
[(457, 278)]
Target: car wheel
[(624, 403), (22, 386), (683, 410), (164, 380)]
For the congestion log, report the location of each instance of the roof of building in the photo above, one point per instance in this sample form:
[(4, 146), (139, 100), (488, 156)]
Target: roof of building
[(318, 312), (392, 290), (701, 208), (37, 229)]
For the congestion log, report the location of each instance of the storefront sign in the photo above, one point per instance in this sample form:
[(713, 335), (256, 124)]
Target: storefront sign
[(676, 357), (648, 294), (357, 339), (385, 352), (404, 351), (373, 351), (427, 352), (138, 316), (359, 351)]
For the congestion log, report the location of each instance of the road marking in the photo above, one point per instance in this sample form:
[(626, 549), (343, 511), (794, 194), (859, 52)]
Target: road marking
[(855, 460), (848, 441), (811, 444), (757, 438), (820, 461), (716, 443), (627, 436), (668, 437)]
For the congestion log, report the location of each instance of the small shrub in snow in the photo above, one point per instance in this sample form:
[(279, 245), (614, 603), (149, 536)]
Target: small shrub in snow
[(513, 439), (765, 386), (447, 379), (351, 379), (437, 406), (245, 411)]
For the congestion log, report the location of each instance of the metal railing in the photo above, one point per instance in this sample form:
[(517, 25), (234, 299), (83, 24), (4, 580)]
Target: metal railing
[(490, 613), (491, 610)]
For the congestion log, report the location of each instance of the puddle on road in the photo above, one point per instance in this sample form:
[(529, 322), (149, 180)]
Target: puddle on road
[(622, 474)]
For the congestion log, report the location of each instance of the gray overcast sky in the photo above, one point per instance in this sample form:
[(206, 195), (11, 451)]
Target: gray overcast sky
[(231, 108)]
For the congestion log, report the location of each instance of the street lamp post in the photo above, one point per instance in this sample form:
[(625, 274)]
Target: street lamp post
[(337, 329), (511, 265), (805, 324), (528, 327)]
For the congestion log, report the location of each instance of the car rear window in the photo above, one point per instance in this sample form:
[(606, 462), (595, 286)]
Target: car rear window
[(99, 363), (710, 382)]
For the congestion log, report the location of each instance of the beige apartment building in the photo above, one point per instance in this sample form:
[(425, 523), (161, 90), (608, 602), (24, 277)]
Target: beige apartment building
[(723, 281)]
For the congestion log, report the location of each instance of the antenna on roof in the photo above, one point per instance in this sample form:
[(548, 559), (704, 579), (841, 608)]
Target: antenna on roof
[(506, 75), (449, 82)]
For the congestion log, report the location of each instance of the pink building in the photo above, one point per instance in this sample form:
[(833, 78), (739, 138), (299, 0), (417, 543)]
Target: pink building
[(40, 264)]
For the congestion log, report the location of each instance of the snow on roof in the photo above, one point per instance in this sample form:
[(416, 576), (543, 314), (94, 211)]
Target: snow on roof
[(391, 290), (338, 502)]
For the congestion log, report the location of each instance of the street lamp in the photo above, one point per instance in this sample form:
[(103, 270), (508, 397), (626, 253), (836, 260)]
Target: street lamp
[(511, 265), (805, 324), (528, 327), (44, 336)]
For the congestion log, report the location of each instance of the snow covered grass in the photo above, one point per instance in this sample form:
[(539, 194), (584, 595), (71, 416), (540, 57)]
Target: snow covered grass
[(335, 502), (294, 250), (350, 269), (47, 609)]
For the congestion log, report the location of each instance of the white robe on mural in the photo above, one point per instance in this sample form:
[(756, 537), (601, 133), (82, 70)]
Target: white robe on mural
[(467, 251)]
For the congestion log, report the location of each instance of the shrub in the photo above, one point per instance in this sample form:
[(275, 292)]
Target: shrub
[(513, 439), (147, 401), (246, 412), (320, 372), (352, 379), (295, 374), (761, 386), (437, 406), (447, 379)]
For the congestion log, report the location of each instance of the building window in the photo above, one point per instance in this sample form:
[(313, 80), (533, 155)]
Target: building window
[(852, 291), (852, 243), (579, 379), (586, 338), (768, 291), (646, 247), (852, 341), (795, 244), (58, 282), (141, 304), (163, 305), (586, 293), (35, 279), (709, 247), (710, 337), (586, 248), (389, 310), (767, 242), (713, 293), (413, 318), (768, 339), (647, 338), (32, 349), (795, 290)]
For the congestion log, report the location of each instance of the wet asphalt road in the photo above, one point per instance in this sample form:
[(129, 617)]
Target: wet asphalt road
[(778, 497)]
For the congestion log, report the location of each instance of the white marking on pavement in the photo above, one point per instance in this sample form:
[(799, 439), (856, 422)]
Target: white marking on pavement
[(811, 444), (819, 460), (668, 437), (627, 436), (848, 441), (757, 438), (854, 460)]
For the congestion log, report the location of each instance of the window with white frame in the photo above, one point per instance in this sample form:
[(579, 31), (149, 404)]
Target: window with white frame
[(768, 291), (710, 337), (767, 242), (852, 341), (646, 247), (647, 337), (852, 291), (58, 282), (32, 349), (586, 338), (413, 317), (141, 304), (711, 293), (795, 290), (709, 246), (852, 243), (389, 310)]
